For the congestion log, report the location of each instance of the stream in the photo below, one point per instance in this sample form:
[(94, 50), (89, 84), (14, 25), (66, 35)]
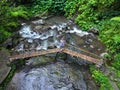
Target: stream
[(42, 72)]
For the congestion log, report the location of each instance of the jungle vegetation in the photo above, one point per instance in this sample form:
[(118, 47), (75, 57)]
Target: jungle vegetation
[(102, 15)]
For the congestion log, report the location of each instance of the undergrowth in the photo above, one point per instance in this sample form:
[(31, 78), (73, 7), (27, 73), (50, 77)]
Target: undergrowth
[(101, 79)]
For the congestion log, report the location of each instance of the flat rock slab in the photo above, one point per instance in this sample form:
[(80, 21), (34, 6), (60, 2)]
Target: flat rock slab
[(4, 69)]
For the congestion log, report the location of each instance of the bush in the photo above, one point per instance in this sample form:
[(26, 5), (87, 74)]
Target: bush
[(87, 13), (116, 62), (10, 18), (110, 35), (101, 78), (52, 6)]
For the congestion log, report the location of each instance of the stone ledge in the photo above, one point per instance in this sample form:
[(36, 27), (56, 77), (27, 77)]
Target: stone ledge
[(4, 69)]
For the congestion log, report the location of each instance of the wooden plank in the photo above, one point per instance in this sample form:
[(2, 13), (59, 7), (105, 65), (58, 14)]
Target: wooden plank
[(73, 53), (32, 54), (88, 58)]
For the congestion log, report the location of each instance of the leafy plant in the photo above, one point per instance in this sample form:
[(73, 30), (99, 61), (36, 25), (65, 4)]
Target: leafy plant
[(19, 12), (87, 13), (52, 6), (116, 19), (101, 78), (10, 17), (116, 62), (110, 35)]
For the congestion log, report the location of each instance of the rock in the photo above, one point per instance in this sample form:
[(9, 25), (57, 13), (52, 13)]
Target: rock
[(38, 16), (37, 28), (8, 43), (111, 78), (103, 54), (46, 28), (94, 30), (12, 41), (80, 85), (92, 86), (4, 60), (40, 21), (50, 77)]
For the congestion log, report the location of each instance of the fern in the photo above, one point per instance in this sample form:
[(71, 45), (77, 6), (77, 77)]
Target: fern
[(101, 79), (19, 12), (12, 24), (116, 19)]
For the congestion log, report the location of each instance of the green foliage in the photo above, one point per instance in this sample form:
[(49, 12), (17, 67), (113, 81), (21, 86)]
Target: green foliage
[(70, 8), (19, 12), (116, 18), (92, 13), (108, 56), (9, 17), (101, 78), (119, 85), (110, 35), (52, 6), (116, 62), (22, 2), (20, 63), (4, 34), (87, 13)]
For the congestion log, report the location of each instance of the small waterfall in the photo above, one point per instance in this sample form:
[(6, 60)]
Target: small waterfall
[(78, 31)]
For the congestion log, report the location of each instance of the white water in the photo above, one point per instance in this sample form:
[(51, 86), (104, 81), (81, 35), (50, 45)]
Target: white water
[(56, 31), (26, 32), (78, 31)]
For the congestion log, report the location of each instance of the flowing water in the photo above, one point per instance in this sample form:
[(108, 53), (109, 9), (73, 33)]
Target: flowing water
[(43, 34)]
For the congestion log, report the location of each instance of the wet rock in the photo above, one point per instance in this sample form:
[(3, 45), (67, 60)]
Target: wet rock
[(46, 28), (37, 28), (8, 43), (103, 54), (4, 60), (49, 77), (12, 41), (91, 86), (41, 16), (38, 16), (40, 21), (91, 46), (40, 60), (94, 30)]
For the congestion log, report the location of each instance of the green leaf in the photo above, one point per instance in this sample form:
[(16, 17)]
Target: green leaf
[(116, 19)]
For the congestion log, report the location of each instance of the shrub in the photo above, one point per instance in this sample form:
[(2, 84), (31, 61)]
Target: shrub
[(52, 6), (87, 13), (110, 35), (101, 78), (10, 17)]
